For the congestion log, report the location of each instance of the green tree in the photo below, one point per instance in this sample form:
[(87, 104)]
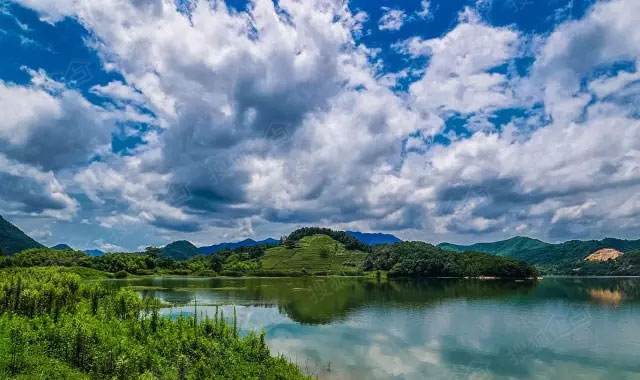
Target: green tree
[(154, 252)]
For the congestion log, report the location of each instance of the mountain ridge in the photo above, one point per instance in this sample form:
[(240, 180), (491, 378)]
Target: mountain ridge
[(537, 252), (501, 247), (93, 252), (374, 238), (211, 249), (13, 239)]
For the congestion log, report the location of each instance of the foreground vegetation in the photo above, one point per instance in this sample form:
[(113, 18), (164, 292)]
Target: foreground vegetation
[(54, 326)]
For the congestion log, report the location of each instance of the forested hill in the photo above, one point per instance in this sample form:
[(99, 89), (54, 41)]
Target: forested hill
[(574, 250), (568, 258), (418, 259), (13, 240), (180, 250), (509, 247)]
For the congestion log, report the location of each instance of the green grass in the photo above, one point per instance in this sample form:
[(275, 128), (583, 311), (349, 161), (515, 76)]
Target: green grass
[(55, 326), (314, 254), (84, 273)]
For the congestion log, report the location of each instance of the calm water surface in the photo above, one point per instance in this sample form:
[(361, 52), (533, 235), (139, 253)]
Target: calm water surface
[(348, 328)]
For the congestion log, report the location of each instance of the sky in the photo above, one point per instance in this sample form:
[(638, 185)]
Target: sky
[(128, 123)]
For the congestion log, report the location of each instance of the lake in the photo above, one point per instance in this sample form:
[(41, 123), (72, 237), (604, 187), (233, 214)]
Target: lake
[(357, 328)]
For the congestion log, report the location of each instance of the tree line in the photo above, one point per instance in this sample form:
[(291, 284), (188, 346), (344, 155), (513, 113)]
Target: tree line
[(418, 259)]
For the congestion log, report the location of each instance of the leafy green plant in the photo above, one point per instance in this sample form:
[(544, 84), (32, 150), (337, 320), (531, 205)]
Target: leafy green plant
[(53, 323)]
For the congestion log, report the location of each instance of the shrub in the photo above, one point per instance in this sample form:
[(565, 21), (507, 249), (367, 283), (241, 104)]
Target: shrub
[(121, 274)]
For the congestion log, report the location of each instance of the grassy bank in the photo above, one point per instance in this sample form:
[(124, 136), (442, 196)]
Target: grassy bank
[(55, 326)]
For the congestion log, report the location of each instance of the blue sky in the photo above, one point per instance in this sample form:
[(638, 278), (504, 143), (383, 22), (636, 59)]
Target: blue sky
[(131, 123)]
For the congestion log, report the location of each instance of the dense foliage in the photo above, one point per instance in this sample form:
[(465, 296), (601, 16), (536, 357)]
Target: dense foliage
[(241, 261), (418, 259), (573, 252), (565, 258), (349, 242), (53, 326), (13, 240), (625, 265)]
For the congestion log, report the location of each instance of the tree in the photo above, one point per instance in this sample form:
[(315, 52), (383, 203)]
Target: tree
[(153, 252)]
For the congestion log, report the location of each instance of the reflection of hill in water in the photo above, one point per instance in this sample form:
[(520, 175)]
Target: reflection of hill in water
[(605, 291), (312, 300), (326, 302), (606, 296)]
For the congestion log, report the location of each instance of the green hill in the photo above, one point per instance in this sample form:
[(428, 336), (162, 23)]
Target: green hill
[(574, 251), (180, 250), (509, 248), (315, 254), (13, 240), (419, 259), (566, 258)]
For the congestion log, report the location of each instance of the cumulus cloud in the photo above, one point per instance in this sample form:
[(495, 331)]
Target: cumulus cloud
[(279, 114), (457, 78), (31, 191), (50, 126)]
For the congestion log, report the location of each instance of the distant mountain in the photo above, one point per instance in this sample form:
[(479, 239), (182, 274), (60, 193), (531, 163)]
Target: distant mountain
[(180, 250), (501, 248), (574, 251), (13, 240), (565, 256), (245, 243), (94, 252), (61, 247), (374, 238)]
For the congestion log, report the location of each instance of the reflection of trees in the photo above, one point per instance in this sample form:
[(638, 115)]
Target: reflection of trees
[(313, 300), (338, 303)]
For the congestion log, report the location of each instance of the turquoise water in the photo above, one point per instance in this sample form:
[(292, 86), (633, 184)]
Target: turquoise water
[(339, 328)]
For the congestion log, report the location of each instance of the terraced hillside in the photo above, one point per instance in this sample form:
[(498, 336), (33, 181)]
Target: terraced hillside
[(316, 254)]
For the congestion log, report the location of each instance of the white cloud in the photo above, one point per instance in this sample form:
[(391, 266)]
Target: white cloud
[(51, 126), (219, 81), (108, 247), (30, 191), (456, 78), (119, 91), (425, 9), (40, 234), (393, 19), (50, 10)]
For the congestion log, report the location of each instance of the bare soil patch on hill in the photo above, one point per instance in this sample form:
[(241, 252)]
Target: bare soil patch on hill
[(604, 255)]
